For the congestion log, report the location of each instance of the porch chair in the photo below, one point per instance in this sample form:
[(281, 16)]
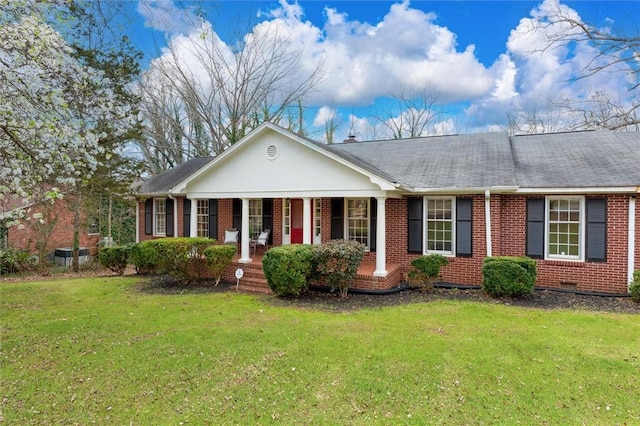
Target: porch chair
[(231, 236), (261, 241)]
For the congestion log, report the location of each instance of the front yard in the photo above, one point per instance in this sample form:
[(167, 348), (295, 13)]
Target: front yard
[(111, 350)]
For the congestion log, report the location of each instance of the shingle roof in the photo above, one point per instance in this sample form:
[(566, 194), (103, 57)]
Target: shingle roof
[(579, 159), (589, 159), (459, 161), (164, 182)]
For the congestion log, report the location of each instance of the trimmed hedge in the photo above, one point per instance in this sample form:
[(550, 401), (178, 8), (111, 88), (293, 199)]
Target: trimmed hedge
[(634, 287), (287, 268), (218, 257), (171, 256), (507, 276), (115, 258), (425, 270), (144, 256), (337, 263)]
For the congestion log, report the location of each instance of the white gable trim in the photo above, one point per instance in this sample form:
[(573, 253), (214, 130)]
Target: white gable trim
[(382, 183)]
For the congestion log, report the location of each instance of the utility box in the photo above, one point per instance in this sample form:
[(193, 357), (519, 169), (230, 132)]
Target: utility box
[(64, 256)]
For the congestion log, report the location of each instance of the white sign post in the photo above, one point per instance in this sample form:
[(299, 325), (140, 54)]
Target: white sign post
[(239, 274)]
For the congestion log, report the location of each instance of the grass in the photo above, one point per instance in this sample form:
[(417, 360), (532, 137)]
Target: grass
[(101, 350)]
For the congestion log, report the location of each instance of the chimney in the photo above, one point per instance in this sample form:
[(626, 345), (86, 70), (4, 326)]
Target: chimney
[(350, 139)]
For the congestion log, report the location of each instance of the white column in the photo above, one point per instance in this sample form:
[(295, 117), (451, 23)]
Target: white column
[(306, 220), (631, 251), (381, 239), (245, 234), (193, 219), (487, 220)]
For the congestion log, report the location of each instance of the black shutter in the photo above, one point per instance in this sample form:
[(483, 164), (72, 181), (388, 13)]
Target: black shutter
[(213, 218), (148, 217), (169, 216), (237, 213), (186, 218), (535, 227), (267, 217), (464, 212), (414, 225), (373, 224), (337, 218), (596, 229)]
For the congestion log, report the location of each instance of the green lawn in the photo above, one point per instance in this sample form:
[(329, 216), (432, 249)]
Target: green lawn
[(100, 350)]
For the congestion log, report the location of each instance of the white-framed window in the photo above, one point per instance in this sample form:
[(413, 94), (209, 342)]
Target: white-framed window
[(564, 228), (357, 220), (202, 212), (287, 216), (440, 218), (255, 216), (317, 217), (160, 216)]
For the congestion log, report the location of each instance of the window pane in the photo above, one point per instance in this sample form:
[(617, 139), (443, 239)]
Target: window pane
[(160, 211), (358, 221), (440, 225), (203, 218), (564, 227), (255, 217)]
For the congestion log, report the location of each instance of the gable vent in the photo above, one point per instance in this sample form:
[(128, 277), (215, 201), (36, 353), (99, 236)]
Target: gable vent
[(272, 152)]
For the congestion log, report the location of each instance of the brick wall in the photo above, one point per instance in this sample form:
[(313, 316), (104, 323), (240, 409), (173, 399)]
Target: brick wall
[(25, 236), (508, 234)]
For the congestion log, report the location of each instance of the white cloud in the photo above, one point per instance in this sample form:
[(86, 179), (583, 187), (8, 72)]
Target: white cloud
[(165, 16), (364, 61)]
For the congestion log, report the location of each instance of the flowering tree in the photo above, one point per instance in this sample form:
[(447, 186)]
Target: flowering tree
[(51, 107)]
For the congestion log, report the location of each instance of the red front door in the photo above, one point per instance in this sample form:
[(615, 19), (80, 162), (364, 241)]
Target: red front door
[(296, 221)]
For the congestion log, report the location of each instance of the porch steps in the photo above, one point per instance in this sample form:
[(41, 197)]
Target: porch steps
[(253, 279)]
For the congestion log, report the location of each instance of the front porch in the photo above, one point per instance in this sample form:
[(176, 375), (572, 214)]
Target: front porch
[(253, 278)]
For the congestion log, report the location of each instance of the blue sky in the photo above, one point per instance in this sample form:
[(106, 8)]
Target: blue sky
[(475, 54)]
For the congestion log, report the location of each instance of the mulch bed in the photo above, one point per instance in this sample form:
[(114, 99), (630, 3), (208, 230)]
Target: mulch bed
[(324, 300), (541, 299)]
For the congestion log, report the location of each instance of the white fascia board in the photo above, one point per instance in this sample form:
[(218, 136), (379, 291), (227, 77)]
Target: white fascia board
[(586, 190), (295, 194), (470, 190)]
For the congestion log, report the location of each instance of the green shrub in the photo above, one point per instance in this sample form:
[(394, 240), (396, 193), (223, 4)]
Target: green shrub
[(505, 276), (218, 257), (287, 268), (14, 260), (115, 258), (634, 287), (425, 270), (144, 256), (173, 256), (337, 263)]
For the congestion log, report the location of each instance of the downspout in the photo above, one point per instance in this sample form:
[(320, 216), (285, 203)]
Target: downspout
[(487, 219), (631, 240)]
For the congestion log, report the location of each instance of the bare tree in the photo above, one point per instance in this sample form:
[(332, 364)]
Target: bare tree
[(202, 96), (417, 111), (617, 52), (545, 118)]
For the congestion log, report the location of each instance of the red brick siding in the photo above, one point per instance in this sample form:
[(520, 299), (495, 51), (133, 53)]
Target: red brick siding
[(24, 237), (508, 234)]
